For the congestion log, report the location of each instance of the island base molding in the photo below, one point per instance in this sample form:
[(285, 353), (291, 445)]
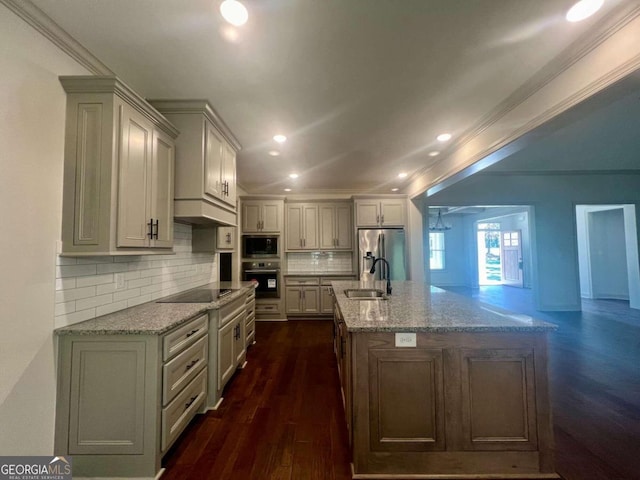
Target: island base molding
[(424, 476)]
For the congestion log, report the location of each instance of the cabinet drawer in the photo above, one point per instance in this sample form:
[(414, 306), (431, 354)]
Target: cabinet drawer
[(182, 369), (251, 316), (328, 280), (184, 336), (267, 308), (250, 328), (179, 413), (291, 281), (250, 296)]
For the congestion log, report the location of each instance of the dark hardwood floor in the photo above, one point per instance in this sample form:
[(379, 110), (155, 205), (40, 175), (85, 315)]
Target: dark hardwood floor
[(282, 416)]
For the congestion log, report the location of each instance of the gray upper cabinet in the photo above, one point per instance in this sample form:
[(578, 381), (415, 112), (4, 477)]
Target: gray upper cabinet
[(380, 212), (205, 177), (336, 226), (119, 171), (262, 215), (302, 226)]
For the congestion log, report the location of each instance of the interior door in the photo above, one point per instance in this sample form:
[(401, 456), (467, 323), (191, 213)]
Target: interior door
[(511, 258)]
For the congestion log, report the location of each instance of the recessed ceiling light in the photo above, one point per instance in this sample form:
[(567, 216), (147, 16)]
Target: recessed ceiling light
[(280, 138), (293, 175), (402, 175), (444, 137), (435, 153), (395, 189), (274, 153), (583, 9), (234, 12), (287, 189)]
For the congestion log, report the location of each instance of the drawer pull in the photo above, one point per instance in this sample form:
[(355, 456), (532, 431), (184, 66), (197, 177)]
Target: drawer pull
[(190, 402), (192, 364), (192, 332)]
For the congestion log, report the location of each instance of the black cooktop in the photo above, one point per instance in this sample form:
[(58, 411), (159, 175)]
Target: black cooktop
[(197, 295)]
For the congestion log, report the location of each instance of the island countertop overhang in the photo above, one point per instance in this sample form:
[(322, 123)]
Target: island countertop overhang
[(418, 307)]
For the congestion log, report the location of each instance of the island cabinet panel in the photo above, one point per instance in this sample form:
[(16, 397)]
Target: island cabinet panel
[(407, 400), (498, 400), (457, 403)]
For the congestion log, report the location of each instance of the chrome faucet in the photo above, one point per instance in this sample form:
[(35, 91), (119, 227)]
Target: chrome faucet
[(373, 270)]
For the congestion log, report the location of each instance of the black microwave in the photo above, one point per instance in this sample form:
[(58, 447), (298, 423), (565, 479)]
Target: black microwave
[(260, 246)]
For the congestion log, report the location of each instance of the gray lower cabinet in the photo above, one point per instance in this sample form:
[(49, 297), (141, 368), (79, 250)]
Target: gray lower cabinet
[(227, 338), (123, 399)]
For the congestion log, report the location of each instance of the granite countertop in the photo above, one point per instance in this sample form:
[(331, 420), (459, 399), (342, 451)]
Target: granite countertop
[(418, 307), (319, 274), (153, 318)]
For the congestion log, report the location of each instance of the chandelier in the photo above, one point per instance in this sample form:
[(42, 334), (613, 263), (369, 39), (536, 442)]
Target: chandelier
[(439, 226)]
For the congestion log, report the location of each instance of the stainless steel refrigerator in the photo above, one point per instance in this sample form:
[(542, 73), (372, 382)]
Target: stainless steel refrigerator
[(388, 243)]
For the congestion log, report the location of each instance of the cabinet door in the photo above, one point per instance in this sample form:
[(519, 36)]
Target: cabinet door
[(134, 219), (162, 168), (392, 213), (367, 213), (213, 162), (498, 399), (251, 217), (405, 415), (295, 226), (344, 227), (327, 227), (271, 221), (310, 237), (326, 299), (311, 299), (240, 340), (226, 358), (293, 299), (226, 238), (229, 175), (107, 398)]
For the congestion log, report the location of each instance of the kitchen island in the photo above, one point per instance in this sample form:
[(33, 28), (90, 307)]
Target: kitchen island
[(436, 385)]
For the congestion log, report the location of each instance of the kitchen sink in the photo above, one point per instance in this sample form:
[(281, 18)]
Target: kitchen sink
[(365, 294)]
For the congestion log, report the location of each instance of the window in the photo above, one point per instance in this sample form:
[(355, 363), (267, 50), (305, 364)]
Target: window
[(436, 250)]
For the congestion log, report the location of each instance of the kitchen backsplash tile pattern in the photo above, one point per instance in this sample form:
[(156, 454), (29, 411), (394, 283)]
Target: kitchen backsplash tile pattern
[(87, 287), (320, 262)]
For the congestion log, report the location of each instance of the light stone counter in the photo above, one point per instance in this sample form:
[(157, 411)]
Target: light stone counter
[(153, 318), (418, 307)]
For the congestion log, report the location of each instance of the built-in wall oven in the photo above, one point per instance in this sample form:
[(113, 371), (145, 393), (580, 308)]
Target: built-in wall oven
[(267, 274), (260, 246)]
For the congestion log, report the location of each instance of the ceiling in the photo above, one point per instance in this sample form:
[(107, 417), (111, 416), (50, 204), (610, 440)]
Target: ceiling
[(361, 88)]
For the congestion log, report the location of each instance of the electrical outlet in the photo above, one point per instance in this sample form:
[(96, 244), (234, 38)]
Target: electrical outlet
[(120, 282)]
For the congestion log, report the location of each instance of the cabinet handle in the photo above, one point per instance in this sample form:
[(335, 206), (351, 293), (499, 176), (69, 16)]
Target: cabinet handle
[(382, 219), (228, 238), (192, 364), (157, 227), (190, 402), (192, 332), (377, 218), (150, 225)]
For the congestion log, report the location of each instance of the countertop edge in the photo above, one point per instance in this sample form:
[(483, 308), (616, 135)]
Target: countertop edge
[(180, 312)]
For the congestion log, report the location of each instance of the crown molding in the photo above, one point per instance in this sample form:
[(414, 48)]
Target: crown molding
[(587, 43), (35, 17)]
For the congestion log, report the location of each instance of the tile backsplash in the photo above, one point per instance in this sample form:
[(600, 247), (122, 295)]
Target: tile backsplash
[(87, 287), (320, 262)]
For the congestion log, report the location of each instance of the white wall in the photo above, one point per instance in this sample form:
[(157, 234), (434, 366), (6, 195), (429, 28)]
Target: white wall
[(39, 290), (32, 121)]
